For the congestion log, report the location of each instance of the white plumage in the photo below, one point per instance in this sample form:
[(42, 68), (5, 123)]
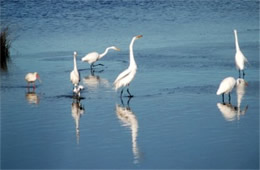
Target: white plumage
[(92, 57), (125, 78), (240, 59), (31, 78), (226, 86), (74, 75)]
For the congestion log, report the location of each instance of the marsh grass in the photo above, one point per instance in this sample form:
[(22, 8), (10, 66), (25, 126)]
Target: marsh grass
[(5, 46)]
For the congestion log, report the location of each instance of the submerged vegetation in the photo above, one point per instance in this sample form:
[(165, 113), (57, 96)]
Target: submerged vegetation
[(5, 46)]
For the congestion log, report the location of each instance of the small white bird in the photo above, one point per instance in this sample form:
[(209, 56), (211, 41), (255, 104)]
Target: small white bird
[(240, 59), (31, 78), (226, 86), (92, 57), (77, 90), (75, 75), (125, 78)]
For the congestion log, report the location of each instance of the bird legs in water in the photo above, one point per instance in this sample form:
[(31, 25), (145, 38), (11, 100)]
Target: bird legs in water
[(240, 73), (93, 65), (130, 95), (229, 98)]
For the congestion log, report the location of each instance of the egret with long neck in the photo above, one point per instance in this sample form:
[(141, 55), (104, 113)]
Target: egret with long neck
[(125, 78), (74, 75), (240, 59), (93, 57)]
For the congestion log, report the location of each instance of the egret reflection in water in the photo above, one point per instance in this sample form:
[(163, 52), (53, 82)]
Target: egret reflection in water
[(76, 111), (32, 97), (94, 81), (128, 118), (231, 112)]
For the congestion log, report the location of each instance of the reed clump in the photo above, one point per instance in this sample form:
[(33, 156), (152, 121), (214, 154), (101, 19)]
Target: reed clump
[(5, 48)]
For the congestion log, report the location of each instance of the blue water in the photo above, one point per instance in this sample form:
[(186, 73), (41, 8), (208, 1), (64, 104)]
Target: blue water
[(175, 120)]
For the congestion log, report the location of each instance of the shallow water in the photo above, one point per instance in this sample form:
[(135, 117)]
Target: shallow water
[(174, 120)]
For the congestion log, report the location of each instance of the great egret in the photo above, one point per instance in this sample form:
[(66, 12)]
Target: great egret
[(226, 87), (92, 57), (125, 78), (31, 78), (75, 75), (240, 59)]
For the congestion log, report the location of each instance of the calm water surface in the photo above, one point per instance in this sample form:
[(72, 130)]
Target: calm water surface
[(175, 119)]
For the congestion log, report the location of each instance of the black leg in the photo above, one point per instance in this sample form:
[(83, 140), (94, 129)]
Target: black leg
[(239, 73), (229, 98), (130, 95), (243, 74), (121, 93), (128, 101), (223, 98)]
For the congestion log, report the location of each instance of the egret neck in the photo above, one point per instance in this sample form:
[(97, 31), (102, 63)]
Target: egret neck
[(104, 53), (131, 56), (236, 40), (75, 63)]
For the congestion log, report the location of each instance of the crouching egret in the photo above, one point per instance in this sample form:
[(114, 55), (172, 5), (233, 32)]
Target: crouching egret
[(125, 78), (92, 57), (240, 59), (78, 89), (74, 75), (226, 86), (31, 78)]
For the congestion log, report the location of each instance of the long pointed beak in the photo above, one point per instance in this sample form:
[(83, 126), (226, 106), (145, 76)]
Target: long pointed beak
[(39, 79), (117, 49)]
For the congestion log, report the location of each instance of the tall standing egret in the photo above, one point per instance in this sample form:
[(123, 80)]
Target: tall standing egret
[(92, 57), (226, 86), (74, 75), (31, 78), (125, 78), (240, 59)]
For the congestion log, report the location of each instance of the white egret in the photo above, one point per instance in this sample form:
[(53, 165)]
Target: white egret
[(75, 75), (92, 57), (31, 78), (226, 87), (240, 59), (78, 89), (125, 78)]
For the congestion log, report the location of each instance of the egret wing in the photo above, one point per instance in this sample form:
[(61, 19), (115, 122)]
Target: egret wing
[(122, 75)]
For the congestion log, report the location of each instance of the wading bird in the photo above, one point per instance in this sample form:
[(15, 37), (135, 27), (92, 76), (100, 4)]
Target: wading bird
[(74, 75), (226, 86), (92, 57), (125, 78), (78, 89), (240, 59), (31, 78)]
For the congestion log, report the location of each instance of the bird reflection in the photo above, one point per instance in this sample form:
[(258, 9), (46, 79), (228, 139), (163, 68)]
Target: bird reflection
[(32, 97), (241, 90), (231, 112), (128, 118), (94, 81), (76, 111)]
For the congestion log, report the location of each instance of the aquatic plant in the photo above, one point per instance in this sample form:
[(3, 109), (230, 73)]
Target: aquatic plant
[(5, 46)]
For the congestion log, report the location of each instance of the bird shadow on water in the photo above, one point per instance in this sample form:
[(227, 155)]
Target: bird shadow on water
[(128, 119), (32, 97), (77, 110)]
